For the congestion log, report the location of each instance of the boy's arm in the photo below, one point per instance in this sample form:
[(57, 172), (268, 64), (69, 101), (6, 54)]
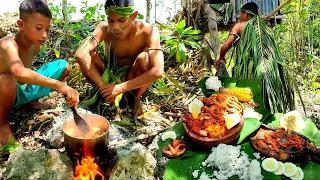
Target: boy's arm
[(27, 76), (83, 56), (110, 91), (156, 62), (228, 43)]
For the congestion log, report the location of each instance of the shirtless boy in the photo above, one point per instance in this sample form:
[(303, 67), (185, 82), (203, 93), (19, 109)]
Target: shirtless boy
[(18, 83), (248, 10), (137, 45)]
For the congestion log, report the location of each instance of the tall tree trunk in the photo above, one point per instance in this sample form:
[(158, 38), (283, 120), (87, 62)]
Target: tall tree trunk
[(148, 11), (213, 29), (192, 10), (65, 11)]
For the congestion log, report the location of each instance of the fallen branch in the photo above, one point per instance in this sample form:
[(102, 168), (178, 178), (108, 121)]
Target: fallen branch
[(117, 144), (158, 107)]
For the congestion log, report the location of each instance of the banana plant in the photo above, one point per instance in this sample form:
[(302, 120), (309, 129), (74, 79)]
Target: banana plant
[(179, 39)]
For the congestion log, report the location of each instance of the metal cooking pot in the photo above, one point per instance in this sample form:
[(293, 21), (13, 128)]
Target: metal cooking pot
[(86, 146)]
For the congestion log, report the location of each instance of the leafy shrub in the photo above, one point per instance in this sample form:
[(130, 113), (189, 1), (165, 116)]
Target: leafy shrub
[(179, 39)]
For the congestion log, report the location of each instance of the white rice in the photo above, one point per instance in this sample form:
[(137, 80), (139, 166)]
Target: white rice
[(195, 173), (255, 170), (230, 162), (213, 83), (257, 155), (204, 176), (250, 113)]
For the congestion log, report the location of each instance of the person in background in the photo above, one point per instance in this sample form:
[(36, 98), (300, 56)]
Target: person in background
[(137, 46), (248, 10), (19, 84)]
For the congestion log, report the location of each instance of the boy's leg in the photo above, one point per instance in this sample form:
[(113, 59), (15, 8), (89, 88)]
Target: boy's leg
[(8, 86), (140, 66), (98, 63), (35, 104), (65, 73), (58, 70)]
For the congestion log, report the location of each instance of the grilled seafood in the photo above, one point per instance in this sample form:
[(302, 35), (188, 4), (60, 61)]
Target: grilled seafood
[(226, 103), (177, 149), (210, 121), (279, 144)]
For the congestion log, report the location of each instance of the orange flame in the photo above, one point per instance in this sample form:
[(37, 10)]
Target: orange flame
[(87, 169)]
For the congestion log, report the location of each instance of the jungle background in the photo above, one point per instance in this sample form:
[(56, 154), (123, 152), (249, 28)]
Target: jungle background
[(186, 60)]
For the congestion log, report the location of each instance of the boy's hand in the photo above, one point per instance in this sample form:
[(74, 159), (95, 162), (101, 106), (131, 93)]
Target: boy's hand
[(72, 94), (110, 91)]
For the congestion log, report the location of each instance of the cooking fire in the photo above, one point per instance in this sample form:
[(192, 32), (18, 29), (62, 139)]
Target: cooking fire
[(87, 169), (89, 150)]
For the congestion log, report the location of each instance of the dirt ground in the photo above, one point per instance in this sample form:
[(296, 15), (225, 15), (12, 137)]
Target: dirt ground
[(8, 24), (29, 124)]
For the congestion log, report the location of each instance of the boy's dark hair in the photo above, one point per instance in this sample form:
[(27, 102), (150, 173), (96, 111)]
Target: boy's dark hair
[(28, 7), (119, 3), (251, 6)]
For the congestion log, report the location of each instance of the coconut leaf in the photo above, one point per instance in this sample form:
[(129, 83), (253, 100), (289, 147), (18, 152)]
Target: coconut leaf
[(257, 57)]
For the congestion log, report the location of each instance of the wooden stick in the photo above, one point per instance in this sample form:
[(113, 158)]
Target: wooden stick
[(117, 144), (276, 10), (158, 107)]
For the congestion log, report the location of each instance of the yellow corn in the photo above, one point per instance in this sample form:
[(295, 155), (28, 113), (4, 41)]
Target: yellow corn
[(243, 94)]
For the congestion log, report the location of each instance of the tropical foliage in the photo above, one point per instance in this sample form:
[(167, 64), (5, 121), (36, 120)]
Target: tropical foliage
[(298, 39), (181, 37), (257, 57), (10, 147)]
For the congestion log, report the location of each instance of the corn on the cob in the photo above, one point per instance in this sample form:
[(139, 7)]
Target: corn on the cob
[(243, 94)]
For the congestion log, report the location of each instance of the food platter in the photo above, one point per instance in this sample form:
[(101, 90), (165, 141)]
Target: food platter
[(229, 138), (283, 146), (191, 165)]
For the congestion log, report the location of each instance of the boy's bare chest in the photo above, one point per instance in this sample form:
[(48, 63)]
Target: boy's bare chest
[(27, 57), (129, 48)]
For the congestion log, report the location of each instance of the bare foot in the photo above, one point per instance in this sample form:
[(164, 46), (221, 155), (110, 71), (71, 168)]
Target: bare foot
[(5, 134), (36, 105), (136, 109)]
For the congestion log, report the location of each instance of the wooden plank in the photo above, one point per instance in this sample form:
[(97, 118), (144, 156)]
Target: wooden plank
[(276, 10), (234, 16)]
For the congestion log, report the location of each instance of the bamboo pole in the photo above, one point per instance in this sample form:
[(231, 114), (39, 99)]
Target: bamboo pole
[(276, 10)]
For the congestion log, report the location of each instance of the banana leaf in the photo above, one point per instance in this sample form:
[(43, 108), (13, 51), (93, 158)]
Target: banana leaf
[(181, 168)]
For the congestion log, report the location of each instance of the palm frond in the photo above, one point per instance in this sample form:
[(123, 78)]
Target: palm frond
[(257, 57)]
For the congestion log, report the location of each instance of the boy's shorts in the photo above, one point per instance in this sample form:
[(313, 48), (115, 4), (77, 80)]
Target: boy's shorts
[(27, 92)]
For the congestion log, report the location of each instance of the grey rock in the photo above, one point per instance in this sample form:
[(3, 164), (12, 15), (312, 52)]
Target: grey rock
[(118, 133), (40, 164), (130, 161), (134, 163), (160, 159), (8, 24)]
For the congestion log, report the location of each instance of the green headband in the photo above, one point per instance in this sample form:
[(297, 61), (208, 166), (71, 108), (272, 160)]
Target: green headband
[(248, 11), (121, 11)]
